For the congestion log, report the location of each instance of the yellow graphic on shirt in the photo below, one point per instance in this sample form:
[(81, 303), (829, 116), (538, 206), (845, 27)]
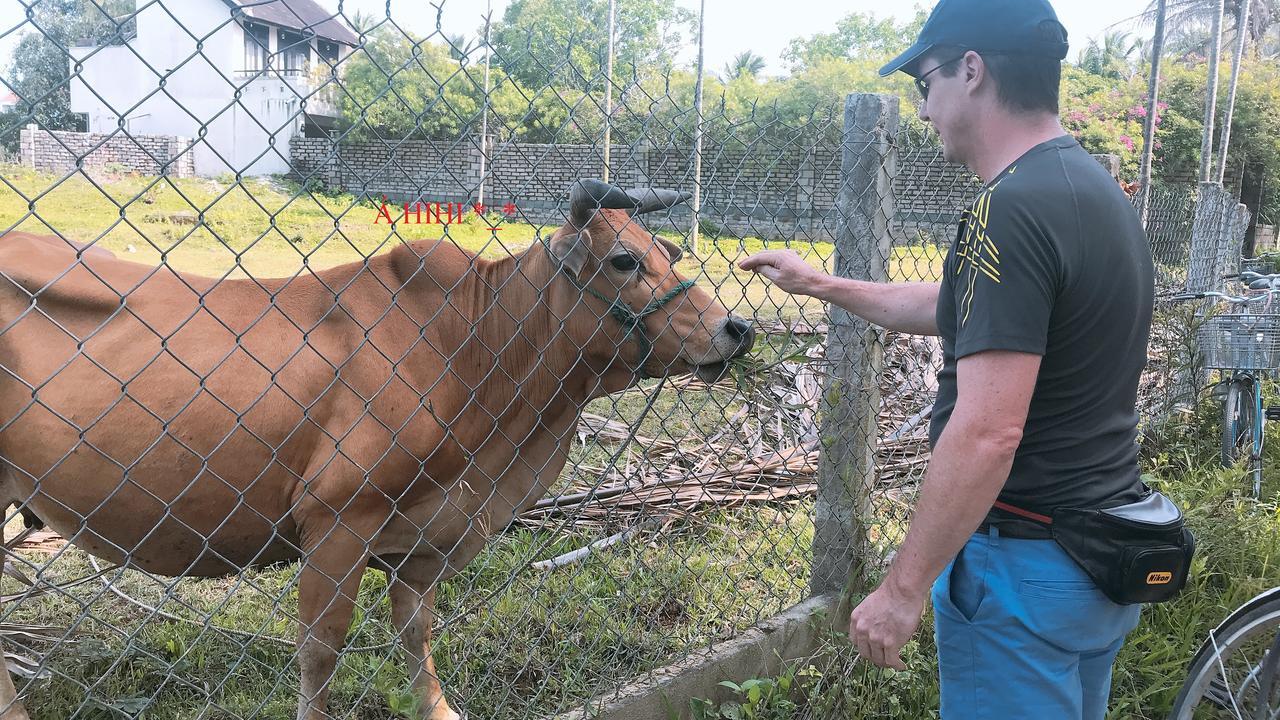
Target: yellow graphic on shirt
[(977, 254)]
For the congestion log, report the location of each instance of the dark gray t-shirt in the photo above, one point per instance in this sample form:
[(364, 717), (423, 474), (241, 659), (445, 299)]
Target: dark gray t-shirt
[(1051, 259)]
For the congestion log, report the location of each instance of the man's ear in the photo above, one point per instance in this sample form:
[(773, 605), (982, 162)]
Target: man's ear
[(570, 250), (975, 68)]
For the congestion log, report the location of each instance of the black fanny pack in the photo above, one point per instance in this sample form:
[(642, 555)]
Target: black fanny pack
[(1135, 553)]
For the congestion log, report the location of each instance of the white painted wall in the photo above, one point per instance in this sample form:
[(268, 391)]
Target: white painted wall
[(181, 74)]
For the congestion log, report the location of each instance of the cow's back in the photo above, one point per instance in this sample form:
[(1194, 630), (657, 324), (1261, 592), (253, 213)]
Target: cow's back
[(154, 410)]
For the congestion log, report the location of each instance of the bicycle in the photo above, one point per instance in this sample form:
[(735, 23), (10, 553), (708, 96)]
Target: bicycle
[(1236, 671), (1245, 347)]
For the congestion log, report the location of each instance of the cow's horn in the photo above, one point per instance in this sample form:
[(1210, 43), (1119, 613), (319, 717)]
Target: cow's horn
[(588, 195), (650, 199)]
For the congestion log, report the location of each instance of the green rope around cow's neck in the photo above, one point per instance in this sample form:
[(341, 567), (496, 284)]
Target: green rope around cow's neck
[(632, 322)]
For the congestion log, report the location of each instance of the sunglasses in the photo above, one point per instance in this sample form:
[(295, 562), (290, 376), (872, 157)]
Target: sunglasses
[(923, 86)]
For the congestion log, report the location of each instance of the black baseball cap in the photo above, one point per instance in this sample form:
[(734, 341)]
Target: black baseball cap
[(1017, 27)]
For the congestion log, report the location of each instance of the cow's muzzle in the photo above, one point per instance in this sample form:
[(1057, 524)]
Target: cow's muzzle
[(734, 338)]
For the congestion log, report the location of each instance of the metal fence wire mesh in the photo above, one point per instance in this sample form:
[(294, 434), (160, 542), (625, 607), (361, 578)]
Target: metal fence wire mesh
[(390, 402)]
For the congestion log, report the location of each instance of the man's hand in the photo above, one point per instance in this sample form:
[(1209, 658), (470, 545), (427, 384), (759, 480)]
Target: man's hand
[(884, 622), (786, 270)]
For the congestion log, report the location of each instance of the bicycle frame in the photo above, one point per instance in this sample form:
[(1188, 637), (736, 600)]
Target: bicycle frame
[(1254, 381)]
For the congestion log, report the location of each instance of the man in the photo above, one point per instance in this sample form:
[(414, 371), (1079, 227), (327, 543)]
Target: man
[(1044, 311)]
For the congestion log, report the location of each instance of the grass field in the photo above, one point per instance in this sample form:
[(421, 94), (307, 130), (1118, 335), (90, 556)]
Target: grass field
[(514, 642), (270, 228)]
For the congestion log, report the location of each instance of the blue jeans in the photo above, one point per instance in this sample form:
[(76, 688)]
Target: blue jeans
[(1022, 632)]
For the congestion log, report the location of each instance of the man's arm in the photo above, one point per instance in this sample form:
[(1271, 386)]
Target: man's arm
[(968, 468), (902, 307)]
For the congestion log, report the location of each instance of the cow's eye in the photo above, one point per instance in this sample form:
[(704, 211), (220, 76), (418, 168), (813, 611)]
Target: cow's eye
[(624, 263)]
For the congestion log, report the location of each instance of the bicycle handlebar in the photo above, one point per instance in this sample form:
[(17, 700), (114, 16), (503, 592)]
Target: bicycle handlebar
[(1268, 284), (1229, 298), (1258, 281)]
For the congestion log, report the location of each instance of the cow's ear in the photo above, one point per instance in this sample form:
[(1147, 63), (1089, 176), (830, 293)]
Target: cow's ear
[(570, 250)]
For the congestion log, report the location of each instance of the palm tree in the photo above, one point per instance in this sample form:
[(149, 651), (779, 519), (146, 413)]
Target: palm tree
[(1242, 20), (1211, 94), (363, 21), (459, 46), (745, 62), (1113, 57), (1189, 21)]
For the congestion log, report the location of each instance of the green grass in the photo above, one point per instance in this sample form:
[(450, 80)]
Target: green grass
[(515, 642)]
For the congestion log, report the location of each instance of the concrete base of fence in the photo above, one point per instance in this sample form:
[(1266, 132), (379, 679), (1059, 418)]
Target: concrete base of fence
[(762, 651)]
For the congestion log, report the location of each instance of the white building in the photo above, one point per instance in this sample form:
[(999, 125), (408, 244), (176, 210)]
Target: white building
[(230, 74)]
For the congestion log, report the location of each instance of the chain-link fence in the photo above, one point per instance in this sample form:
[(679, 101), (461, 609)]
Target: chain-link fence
[(368, 310), (384, 404)]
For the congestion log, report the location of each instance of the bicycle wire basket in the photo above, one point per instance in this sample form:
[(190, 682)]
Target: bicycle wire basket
[(1263, 265), (1241, 341)]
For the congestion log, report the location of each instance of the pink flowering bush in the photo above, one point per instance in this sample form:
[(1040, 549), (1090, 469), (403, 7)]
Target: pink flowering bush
[(1106, 114)]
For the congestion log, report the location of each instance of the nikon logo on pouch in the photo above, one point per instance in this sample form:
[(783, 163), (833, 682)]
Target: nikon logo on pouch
[(1159, 578)]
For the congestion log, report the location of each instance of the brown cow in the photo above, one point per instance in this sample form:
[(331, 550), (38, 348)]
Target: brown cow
[(393, 412)]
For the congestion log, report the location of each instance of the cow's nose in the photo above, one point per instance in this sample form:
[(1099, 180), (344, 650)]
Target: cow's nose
[(741, 331)]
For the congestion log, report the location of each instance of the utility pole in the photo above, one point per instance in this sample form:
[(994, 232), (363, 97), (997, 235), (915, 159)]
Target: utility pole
[(697, 133), (1153, 106), (608, 96), (484, 117)]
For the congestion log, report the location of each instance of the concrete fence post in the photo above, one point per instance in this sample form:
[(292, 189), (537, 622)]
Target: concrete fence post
[(1210, 231), (851, 402)]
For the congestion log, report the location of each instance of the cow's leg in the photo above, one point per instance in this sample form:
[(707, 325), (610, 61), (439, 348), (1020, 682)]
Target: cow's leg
[(327, 590), (10, 707), (412, 602)]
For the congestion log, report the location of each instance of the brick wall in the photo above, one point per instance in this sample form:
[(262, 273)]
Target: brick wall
[(766, 192), (59, 151)]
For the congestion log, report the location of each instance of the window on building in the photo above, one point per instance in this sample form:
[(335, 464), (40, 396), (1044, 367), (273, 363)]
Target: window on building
[(257, 46), (295, 50)]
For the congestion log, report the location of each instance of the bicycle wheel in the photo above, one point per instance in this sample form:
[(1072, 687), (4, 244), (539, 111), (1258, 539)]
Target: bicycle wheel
[(1237, 421), (1236, 674)]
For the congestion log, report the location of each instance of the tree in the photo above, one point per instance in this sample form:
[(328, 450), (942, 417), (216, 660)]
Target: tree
[(1114, 57), (40, 67), (563, 43), (857, 36), (1189, 22), (1211, 94), (1242, 20), (1255, 131), (363, 22), (744, 63), (459, 47), (401, 87)]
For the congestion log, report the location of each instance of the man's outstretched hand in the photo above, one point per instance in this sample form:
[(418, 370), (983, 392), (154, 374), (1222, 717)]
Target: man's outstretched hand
[(786, 270)]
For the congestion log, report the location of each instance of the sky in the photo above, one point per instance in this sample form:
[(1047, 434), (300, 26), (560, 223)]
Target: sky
[(763, 26)]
